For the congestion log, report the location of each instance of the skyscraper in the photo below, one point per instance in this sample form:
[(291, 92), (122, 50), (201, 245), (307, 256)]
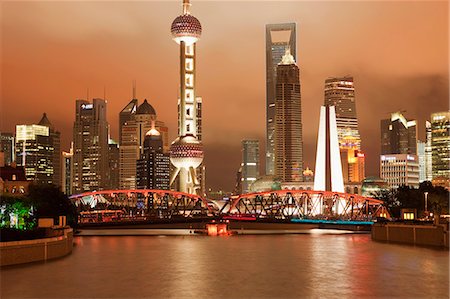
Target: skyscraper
[(421, 155), (440, 145), (90, 138), (134, 130), (250, 164), (288, 122), (186, 152), (400, 169), (127, 114), (153, 167), (67, 171), (398, 135), (340, 93), (7, 147), (37, 149), (279, 38), (428, 152), (113, 165)]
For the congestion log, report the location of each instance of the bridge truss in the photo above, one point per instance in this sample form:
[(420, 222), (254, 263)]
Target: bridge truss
[(145, 203), (288, 204)]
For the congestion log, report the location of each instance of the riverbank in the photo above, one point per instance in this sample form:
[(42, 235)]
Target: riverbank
[(436, 235), (28, 251)]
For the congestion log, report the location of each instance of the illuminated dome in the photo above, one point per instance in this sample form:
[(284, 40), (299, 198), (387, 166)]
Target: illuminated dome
[(186, 28), (186, 152)]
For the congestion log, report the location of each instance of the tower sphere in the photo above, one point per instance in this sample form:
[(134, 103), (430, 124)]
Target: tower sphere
[(186, 28), (186, 152)]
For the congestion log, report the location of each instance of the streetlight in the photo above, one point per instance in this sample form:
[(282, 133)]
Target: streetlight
[(426, 203)]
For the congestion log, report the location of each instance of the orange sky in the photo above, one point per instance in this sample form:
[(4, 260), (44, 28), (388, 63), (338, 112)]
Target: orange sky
[(53, 51)]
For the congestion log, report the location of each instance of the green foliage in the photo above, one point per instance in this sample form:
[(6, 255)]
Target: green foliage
[(42, 201), (409, 197)]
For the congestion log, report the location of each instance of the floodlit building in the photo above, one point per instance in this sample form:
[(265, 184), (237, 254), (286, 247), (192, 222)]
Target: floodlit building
[(186, 152), (153, 167), (279, 38), (90, 141), (428, 153), (38, 151), (440, 146), (288, 122), (250, 164), (400, 169), (67, 171), (421, 155)]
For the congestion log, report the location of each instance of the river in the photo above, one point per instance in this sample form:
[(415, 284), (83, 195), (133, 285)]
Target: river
[(250, 266)]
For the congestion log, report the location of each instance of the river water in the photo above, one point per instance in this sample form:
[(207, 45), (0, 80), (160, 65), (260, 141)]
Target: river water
[(250, 266)]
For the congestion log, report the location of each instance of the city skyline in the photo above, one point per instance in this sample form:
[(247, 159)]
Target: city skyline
[(405, 79)]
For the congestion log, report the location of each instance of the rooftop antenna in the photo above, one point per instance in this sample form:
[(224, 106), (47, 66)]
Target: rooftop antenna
[(87, 94), (134, 89), (104, 92)]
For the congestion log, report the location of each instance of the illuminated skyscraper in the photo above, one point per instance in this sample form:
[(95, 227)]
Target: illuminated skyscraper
[(250, 164), (186, 152), (38, 150), (428, 152), (279, 38), (126, 115), (440, 146), (114, 165), (288, 122), (153, 167), (340, 92), (132, 143), (67, 171), (90, 139), (398, 135)]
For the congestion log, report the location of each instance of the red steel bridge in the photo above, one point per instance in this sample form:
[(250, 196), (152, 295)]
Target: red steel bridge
[(279, 204)]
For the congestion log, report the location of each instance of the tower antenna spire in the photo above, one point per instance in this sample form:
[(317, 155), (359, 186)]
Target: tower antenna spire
[(186, 6), (134, 89)]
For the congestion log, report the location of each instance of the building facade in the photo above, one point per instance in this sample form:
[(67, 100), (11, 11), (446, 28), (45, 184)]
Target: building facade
[(7, 145), (440, 146), (90, 140), (250, 164), (113, 161), (398, 135), (279, 38), (428, 152), (288, 122), (38, 151), (340, 93), (67, 171), (153, 167), (400, 170)]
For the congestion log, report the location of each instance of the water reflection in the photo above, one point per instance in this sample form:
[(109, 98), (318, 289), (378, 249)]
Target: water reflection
[(262, 266)]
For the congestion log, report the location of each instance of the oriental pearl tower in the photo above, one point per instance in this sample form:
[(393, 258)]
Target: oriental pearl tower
[(186, 152)]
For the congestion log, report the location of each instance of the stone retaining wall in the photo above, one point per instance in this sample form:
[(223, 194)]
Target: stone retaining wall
[(428, 235), (20, 252)]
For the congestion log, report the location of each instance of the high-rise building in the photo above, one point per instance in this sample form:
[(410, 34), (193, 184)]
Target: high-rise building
[(153, 167), (113, 160), (440, 146), (7, 147), (421, 156), (132, 142), (279, 38), (37, 149), (186, 152), (400, 169), (67, 171), (127, 114), (428, 152), (250, 163), (288, 122), (90, 138), (398, 135), (55, 139), (340, 93)]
